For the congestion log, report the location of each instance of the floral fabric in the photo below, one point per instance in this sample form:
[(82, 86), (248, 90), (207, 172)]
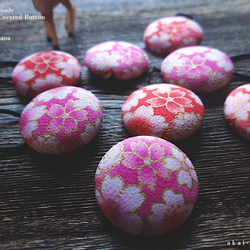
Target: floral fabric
[(60, 120), (170, 33), (146, 185), (164, 110), (237, 110), (45, 70), (120, 60), (198, 68)]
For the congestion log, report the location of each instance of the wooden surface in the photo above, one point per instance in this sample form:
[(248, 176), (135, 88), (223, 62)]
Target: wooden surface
[(48, 202)]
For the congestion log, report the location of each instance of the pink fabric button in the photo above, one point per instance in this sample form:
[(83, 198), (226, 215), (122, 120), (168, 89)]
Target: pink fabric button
[(60, 120), (146, 185), (237, 110), (198, 68), (170, 33), (45, 70), (164, 110), (120, 60)]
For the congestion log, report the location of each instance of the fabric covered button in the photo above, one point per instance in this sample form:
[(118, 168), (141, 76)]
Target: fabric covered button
[(146, 185), (198, 68), (60, 120), (164, 110), (120, 60), (237, 110), (170, 33), (45, 70)]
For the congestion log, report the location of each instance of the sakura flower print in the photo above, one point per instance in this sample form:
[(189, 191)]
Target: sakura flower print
[(146, 185), (170, 33), (60, 120), (116, 59), (237, 110), (198, 68), (45, 70), (164, 110)]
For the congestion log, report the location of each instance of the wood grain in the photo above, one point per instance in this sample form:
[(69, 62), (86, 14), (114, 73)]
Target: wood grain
[(49, 202)]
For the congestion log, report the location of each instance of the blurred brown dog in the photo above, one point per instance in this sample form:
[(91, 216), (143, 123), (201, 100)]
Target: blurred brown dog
[(45, 7)]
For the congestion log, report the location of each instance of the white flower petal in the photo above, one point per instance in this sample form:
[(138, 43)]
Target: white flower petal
[(158, 124), (171, 164), (131, 199), (111, 187), (27, 130), (184, 178), (37, 112), (177, 154), (145, 112)]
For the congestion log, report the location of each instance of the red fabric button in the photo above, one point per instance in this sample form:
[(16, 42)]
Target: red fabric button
[(45, 70), (170, 33), (164, 110)]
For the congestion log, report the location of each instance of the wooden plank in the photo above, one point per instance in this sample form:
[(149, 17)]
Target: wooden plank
[(49, 202)]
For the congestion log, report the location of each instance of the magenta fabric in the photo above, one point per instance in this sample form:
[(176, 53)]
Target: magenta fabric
[(116, 59), (146, 185), (60, 120), (198, 68)]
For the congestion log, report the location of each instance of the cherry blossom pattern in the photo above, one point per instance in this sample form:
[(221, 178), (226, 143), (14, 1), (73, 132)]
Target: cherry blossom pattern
[(116, 59), (164, 110), (60, 120), (237, 110), (169, 213), (112, 195), (146, 185), (170, 33), (45, 70), (198, 68)]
